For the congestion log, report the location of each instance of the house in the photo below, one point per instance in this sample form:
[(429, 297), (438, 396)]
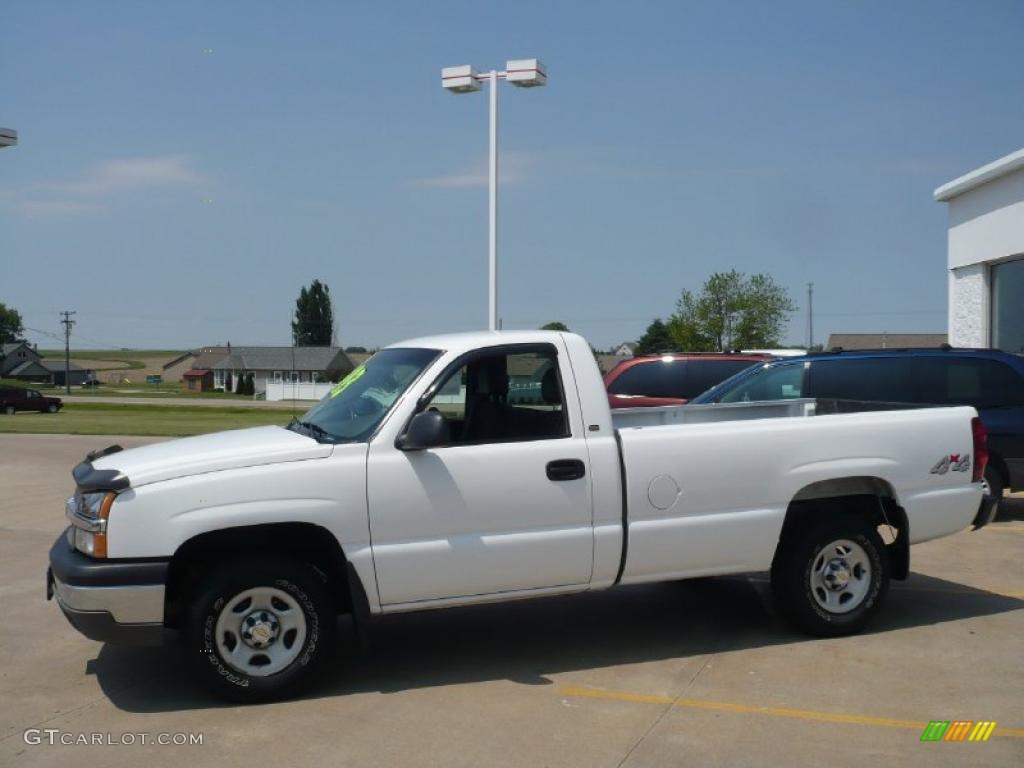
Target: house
[(986, 255), (625, 349), (15, 355), (21, 361), (76, 373), (197, 379), (194, 359), (281, 364), (885, 340)]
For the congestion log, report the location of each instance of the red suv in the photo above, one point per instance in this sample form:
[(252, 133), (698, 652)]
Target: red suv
[(672, 379), (14, 399)]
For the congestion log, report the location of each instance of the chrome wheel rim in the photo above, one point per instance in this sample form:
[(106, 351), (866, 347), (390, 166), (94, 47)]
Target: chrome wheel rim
[(260, 631), (840, 576)]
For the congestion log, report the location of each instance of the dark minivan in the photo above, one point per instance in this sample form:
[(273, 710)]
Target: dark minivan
[(13, 399), (990, 380)]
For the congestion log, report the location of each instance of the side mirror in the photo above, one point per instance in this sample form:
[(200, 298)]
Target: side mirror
[(427, 429)]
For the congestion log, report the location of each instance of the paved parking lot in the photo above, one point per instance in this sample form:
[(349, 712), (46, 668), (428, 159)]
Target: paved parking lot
[(699, 673)]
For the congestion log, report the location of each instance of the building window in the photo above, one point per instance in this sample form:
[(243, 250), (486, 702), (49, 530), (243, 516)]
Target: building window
[(277, 377), (1007, 281), (218, 379)]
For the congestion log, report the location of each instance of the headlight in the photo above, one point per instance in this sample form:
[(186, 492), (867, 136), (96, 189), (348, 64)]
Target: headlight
[(92, 544), (88, 513)]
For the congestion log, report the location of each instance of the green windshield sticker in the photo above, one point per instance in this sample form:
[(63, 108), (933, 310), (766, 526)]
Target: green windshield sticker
[(345, 383)]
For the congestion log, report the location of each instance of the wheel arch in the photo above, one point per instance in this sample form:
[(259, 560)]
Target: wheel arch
[(307, 542), (997, 462), (864, 496)]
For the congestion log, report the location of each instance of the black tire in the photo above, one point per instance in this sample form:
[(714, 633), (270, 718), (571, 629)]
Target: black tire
[(9, 410), (305, 588), (800, 557), (995, 485)]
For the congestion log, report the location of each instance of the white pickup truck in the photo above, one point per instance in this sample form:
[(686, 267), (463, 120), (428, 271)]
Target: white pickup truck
[(482, 467)]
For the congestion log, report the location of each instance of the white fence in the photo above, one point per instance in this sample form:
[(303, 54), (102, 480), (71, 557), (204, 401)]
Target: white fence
[(303, 390)]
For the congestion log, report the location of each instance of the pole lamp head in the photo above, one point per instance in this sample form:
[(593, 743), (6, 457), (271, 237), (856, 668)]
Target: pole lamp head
[(460, 79), (526, 73), (8, 137)]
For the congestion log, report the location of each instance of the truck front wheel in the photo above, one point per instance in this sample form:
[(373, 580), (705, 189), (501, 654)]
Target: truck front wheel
[(258, 630), (831, 577)]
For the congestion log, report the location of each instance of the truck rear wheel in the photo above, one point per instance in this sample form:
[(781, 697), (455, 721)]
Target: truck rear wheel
[(831, 577), (258, 630)]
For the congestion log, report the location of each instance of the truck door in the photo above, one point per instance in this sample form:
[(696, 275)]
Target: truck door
[(505, 503)]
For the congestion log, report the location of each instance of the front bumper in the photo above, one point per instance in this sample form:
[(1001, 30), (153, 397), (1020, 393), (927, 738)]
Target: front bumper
[(116, 601)]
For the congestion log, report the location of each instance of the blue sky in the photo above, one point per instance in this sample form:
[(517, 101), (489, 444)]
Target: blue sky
[(673, 140)]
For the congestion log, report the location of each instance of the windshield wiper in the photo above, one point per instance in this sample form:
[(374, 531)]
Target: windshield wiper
[(317, 432)]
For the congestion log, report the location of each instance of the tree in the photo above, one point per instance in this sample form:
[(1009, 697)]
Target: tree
[(655, 339), (313, 325), (555, 326), (11, 329), (355, 350), (732, 311), (246, 384)]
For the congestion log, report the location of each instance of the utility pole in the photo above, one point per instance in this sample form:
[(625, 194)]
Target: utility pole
[(67, 322), (810, 316)]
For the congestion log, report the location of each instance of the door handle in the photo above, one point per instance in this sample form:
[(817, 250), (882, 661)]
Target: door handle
[(566, 469)]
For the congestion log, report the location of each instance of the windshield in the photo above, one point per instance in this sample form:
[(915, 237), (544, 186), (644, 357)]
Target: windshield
[(714, 394), (354, 407)]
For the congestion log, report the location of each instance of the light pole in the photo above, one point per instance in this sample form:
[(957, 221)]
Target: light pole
[(525, 73)]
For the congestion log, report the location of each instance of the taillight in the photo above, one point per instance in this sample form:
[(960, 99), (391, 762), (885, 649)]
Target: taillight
[(980, 435)]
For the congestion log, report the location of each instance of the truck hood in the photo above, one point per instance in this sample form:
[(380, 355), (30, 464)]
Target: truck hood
[(235, 449)]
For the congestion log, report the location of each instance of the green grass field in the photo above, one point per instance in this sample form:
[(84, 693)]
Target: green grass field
[(169, 420), (112, 354)]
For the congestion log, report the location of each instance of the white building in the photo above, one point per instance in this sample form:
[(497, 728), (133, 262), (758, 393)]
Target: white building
[(986, 255)]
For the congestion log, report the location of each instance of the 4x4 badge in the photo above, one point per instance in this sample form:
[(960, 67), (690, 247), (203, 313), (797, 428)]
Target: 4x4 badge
[(957, 462)]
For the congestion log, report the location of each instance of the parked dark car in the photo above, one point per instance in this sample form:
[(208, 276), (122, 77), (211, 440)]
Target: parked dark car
[(990, 380), (13, 399), (671, 379)]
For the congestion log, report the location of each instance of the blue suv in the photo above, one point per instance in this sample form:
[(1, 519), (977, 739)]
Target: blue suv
[(990, 380)]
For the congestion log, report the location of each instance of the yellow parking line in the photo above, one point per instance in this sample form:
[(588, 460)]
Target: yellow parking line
[(746, 709)]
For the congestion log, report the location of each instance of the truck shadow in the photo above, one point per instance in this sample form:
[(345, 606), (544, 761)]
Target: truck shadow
[(527, 640), (1010, 508)]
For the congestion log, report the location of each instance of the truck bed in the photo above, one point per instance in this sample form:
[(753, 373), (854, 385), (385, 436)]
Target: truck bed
[(625, 418)]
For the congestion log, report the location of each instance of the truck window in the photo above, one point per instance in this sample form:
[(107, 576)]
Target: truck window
[(878, 379), (683, 379), (504, 397), (777, 382)]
